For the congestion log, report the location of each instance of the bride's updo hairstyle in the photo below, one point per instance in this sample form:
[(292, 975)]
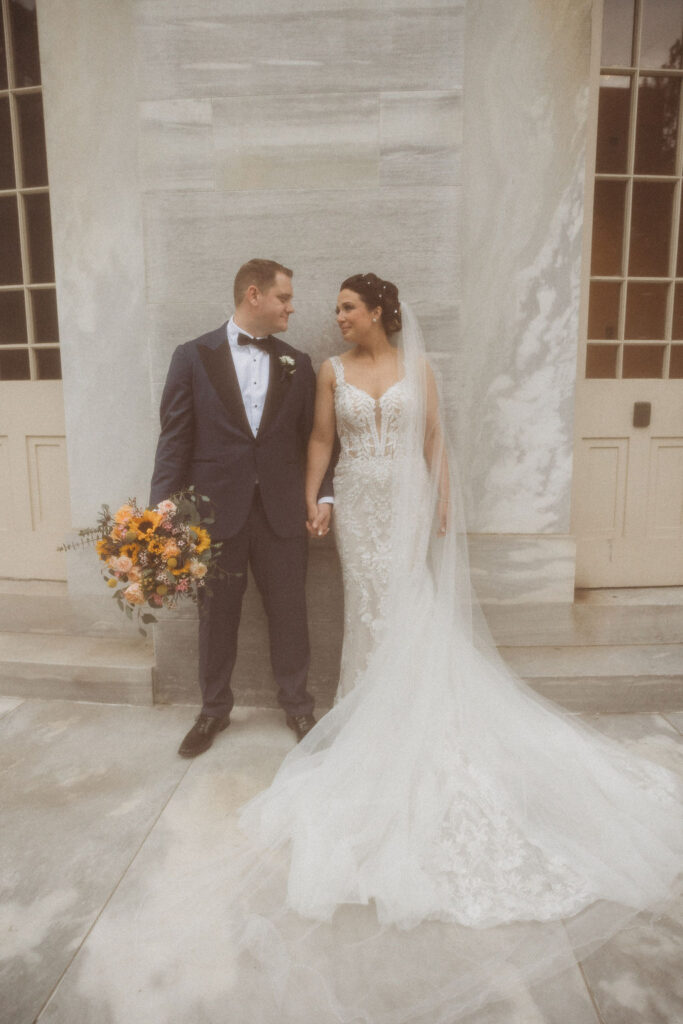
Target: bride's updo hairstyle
[(375, 292)]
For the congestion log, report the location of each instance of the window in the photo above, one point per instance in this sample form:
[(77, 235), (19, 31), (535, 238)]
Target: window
[(635, 307), (29, 337)]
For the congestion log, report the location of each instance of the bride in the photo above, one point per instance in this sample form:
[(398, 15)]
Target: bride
[(443, 839), (443, 836)]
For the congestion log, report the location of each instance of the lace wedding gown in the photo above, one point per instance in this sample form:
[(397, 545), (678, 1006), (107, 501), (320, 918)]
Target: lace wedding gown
[(443, 838)]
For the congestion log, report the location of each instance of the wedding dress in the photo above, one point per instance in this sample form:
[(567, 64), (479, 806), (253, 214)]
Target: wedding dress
[(443, 837)]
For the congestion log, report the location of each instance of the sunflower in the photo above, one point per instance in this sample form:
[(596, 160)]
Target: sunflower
[(104, 548), (155, 545), (146, 524), (132, 550), (203, 540)]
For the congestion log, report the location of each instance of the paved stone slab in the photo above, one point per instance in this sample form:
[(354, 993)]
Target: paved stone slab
[(81, 785), (150, 956), (636, 978), (8, 704)]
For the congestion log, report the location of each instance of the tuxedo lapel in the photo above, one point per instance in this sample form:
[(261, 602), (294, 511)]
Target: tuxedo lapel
[(220, 369), (278, 384)]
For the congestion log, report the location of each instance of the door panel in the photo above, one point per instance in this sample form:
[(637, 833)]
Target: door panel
[(628, 491), (34, 498)]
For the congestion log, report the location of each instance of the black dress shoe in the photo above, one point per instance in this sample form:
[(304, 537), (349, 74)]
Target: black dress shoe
[(301, 724), (200, 737)]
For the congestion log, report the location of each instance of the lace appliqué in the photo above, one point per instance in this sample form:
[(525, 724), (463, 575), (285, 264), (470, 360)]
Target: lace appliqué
[(369, 431)]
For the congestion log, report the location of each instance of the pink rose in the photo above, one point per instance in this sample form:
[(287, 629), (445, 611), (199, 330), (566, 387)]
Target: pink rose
[(197, 568), (166, 508)]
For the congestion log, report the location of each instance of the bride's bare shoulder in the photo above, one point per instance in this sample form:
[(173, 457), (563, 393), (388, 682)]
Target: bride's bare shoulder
[(326, 374)]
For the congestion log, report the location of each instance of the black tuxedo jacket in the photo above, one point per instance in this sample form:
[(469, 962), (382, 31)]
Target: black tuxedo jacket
[(206, 439)]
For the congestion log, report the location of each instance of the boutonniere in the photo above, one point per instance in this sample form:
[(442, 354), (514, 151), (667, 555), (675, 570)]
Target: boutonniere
[(287, 367)]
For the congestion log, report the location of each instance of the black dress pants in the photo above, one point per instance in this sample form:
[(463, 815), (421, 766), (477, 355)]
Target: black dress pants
[(279, 568)]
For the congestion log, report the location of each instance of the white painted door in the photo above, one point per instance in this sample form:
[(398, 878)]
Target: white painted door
[(34, 491), (34, 497), (628, 455), (629, 485)]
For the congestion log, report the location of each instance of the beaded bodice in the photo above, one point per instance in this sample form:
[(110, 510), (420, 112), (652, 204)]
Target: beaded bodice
[(367, 427)]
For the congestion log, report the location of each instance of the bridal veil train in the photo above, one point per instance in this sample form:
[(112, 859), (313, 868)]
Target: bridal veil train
[(443, 836)]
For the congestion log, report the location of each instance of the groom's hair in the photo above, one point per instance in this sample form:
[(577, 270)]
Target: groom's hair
[(259, 272)]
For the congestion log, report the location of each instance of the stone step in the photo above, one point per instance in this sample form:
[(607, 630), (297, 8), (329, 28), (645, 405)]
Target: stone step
[(627, 678), (62, 613), (111, 670)]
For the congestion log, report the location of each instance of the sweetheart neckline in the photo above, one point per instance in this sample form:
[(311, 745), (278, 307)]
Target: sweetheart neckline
[(367, 393)]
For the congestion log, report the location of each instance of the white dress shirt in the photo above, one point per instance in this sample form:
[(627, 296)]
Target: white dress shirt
[(252, 365)]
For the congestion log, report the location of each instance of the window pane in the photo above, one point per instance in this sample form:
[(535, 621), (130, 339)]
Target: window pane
[(44, 310), (676, 362), (677, 325), (10, 253), (613, 115), (7, 179), (657, 125), (14, 365), (662, 29), (603, 309), (3, 55), (39, 238), (49, 364), (32, 134), (25, 40), (608, 227), (12, 318), (650, 228), (643, 361), (617, 32), (645, 310), (601, 361)]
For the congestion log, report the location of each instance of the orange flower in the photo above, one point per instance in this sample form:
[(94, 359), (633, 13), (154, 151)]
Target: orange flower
[(203, 540), (133, 594), (170, 550), (124, 515)]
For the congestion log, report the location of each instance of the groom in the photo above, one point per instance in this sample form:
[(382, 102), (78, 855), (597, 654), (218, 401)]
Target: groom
[(236, 414)]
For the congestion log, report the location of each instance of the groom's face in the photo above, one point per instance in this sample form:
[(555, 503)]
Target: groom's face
[(275, 305)]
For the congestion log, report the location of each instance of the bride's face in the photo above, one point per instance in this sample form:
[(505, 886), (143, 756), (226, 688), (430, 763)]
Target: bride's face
[(354, 318)]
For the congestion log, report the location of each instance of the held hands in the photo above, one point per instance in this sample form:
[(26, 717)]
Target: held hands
[(318, 521)]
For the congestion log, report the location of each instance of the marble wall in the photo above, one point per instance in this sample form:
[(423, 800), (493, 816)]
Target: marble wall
[(184, 138), (325, 135)]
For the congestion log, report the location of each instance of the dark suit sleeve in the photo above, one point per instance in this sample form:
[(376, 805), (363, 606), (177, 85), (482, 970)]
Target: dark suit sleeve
[(306, 425), (174, 450)]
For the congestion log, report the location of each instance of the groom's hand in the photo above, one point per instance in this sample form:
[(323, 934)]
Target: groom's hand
[(318, 522)]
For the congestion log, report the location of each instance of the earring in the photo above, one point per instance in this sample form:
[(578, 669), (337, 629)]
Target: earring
[(374, 319)]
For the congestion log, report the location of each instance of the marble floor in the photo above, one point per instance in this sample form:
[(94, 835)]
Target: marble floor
[(100, 816)]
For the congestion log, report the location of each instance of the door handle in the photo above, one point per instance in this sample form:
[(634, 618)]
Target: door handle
[(641, 414)]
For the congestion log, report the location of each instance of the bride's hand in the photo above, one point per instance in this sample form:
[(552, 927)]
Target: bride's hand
[(318, 521)]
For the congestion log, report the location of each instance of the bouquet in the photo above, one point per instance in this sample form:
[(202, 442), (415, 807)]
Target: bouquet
[(156, 556)]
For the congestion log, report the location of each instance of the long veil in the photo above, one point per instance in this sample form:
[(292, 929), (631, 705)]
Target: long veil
[(444, 838)]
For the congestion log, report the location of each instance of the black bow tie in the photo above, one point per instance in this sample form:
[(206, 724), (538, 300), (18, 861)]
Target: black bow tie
[(264, 343)]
